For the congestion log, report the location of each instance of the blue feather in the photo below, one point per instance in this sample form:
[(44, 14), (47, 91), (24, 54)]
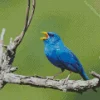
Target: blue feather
[(62, 57)]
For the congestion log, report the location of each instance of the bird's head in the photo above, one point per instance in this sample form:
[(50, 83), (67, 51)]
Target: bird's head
[(50, 37)]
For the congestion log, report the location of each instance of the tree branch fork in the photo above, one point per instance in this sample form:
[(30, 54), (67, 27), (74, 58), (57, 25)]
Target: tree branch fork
[(8, 53)]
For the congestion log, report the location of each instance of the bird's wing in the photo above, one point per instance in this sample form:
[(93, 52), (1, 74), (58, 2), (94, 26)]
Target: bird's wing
[(69, 60)]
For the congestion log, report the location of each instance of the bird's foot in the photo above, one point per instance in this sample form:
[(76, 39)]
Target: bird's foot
[(50, 77), (66, 79)]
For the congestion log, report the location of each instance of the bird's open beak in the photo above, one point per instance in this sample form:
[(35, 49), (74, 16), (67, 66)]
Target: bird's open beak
[(45, 37)]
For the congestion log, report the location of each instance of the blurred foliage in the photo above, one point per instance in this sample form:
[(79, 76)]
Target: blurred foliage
[(77, 25)]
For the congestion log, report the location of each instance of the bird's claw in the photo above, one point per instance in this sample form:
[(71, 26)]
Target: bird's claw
[(66, 79)]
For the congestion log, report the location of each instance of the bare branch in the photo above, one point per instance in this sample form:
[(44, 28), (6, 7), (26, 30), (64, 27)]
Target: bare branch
[(71, 85), (10, 40), (95, 74), (32, 13), (2, 34), (1, 44), (27, 17), (10, 52), (28, 20)]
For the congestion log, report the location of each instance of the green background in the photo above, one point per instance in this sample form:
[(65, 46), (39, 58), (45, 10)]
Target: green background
[(79, 28)]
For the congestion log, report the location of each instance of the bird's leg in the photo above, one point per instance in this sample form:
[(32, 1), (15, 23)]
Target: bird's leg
[(68, 76), (62, 70), (66, 80), (52, 77)]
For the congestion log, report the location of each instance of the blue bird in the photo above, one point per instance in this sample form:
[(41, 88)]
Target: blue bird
[(61, 56)]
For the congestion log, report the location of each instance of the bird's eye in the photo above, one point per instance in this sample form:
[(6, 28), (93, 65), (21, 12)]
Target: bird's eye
[(52, 35)]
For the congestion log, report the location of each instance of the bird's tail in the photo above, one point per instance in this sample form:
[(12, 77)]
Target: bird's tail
[(84, 76)]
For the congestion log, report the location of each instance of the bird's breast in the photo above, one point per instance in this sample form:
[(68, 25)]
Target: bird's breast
[(52, 56), (50, 53)]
